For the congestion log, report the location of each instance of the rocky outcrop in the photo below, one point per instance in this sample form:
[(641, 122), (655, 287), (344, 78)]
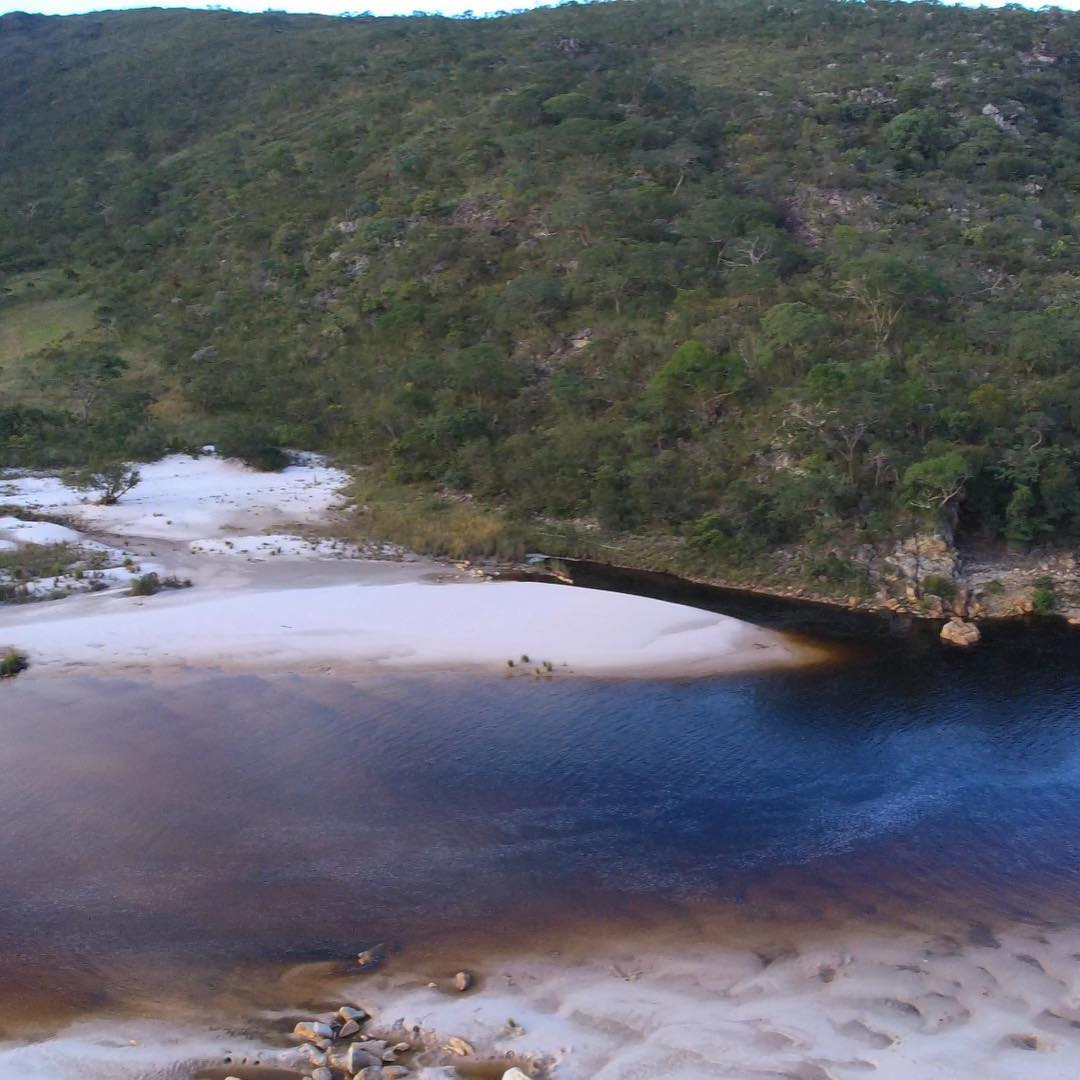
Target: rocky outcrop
[(924, 556)]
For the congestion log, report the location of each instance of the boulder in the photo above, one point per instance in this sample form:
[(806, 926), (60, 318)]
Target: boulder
[(463, 980), (313, 1031), (357, 1057), (515, 1074), (350, 1027), (960, 633), (322, 1073), (348, 1012)]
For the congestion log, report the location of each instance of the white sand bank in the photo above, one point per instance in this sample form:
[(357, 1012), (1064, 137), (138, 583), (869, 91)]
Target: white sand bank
[(186, 498), (266, 598), (413, 624), (874, 1001), (871, 1003), (124, 1050)]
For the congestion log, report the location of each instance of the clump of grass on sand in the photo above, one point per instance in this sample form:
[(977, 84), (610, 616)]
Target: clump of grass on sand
[(12, 661), (150, 584)]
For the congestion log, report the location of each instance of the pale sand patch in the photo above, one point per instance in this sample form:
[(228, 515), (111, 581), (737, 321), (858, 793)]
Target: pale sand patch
[(413, 624), (878, 1001), (186, 498), (201, 519), (36, 532), (887, 1003), (123, 1050)]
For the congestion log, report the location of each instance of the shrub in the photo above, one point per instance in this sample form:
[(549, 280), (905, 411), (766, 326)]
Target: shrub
[(149, 584), (146, 585), (109, 481), (251, 443), (12, 661), (939, 585), (1043, 600)]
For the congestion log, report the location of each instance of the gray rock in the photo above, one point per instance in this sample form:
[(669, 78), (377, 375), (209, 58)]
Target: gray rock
[(313, 1031), (357, 1057), (349, 1012), (313, 1055), (322, 1073), (463, 980), (350, 1027)]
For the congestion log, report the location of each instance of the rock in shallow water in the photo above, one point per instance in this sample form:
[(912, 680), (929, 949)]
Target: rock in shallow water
[(463, 980), (960, 633)]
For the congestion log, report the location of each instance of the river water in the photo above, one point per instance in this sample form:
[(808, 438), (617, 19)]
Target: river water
[(158, 838)]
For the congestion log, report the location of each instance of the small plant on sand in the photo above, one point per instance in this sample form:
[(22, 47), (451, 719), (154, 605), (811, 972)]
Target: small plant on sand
[(150, 584), (146, 585), (12, 661), (109, 481)]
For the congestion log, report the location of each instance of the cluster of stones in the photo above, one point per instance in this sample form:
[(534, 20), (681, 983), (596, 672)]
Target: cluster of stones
[(341, 1047)]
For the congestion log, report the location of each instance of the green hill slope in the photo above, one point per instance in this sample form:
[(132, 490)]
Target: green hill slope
[(737, 273)]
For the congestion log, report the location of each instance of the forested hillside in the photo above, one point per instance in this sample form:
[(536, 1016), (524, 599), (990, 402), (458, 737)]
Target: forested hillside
[(747, 274)]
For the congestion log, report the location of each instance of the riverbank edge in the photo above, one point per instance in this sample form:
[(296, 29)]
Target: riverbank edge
[(970, 599)]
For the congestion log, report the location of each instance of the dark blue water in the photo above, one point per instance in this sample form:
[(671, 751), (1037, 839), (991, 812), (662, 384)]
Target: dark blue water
[(228, 818)]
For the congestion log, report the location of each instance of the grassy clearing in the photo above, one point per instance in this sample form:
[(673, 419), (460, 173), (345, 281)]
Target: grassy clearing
[(37, 284), (434, 524), (40, 562), (430, 524), (28, 326)]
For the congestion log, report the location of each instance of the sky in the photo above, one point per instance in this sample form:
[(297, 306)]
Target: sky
[(333, 7)]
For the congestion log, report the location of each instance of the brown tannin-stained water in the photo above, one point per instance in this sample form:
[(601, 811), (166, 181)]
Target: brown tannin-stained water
[(167, 847)]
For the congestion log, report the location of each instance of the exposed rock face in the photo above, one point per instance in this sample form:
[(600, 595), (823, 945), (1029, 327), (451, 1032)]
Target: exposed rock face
[(925, 555), (960, 633)]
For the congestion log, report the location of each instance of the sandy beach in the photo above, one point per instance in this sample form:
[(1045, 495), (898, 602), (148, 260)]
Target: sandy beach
[(268, 596), (884, 1000)]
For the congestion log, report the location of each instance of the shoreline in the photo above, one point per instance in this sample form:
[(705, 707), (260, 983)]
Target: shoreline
[(696, 995), (279, 601), (795, 596), (544, 631)]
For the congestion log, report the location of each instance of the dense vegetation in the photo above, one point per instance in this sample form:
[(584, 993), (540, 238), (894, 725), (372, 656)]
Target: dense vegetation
[(744, 273)]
